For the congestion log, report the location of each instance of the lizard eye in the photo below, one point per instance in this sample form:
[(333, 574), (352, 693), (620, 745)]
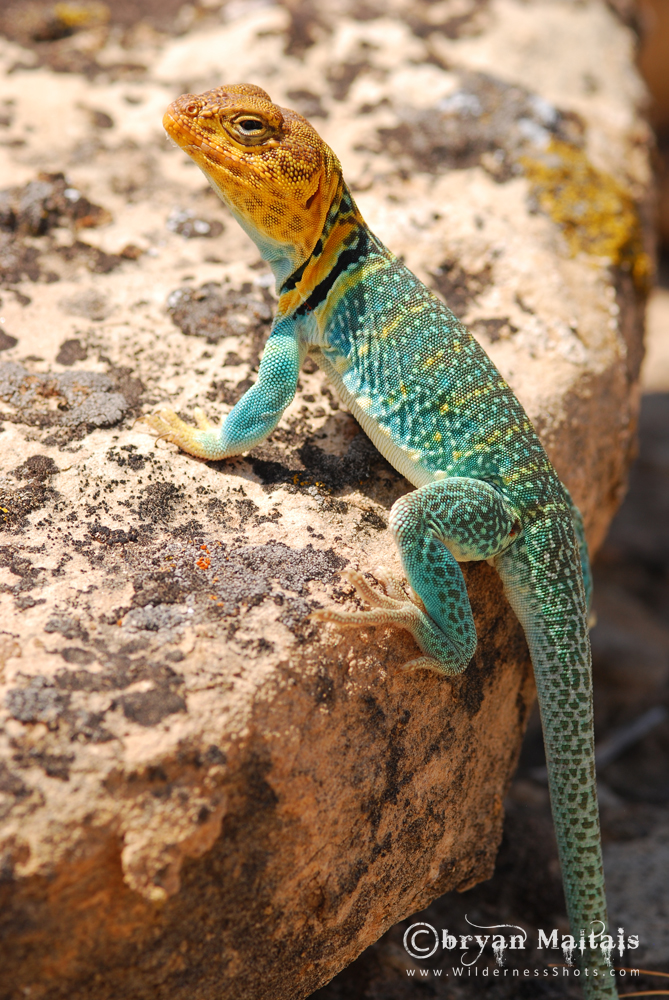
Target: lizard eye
[(251, 130), (251, 125)]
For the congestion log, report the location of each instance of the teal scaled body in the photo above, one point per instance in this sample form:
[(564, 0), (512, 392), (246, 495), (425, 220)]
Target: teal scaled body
[(437, 408)]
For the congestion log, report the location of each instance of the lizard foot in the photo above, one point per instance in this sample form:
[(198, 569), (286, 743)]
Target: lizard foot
[(201, 441), (394, 607)]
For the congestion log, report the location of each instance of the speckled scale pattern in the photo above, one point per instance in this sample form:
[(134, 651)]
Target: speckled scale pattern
[(434, 404), (430, 385)]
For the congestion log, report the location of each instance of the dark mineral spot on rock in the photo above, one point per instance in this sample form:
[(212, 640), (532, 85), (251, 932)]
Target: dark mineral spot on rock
[(342, 76), (49, 201), (100, 119), (85, 680), (38, 701), (306, 22), (233, 359), (15, 505), (112, 536), (468, 20), (214, 313), (87, 727), (306, 103), (312, 464), (28, 601), (185, 222), (134, 461), (148, 707), (292, 568), (28, 214), (75, 654), (71, 351), (17, 261), (214, 755), (91, 257), (159, 588), (486, 122), (223, 581), (223, 391), (374, 520), (67, 399), (11, 784), (460, 287), (53, 764), (37, 467), (153, 618), (245, 507), (7, 341), (159, 501), (127, 383), (494, 329)]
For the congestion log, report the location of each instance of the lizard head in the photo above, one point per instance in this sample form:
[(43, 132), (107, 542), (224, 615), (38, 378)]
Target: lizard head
[(266, 163)]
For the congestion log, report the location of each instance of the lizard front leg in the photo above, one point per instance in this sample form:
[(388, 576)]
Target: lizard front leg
[(434, 527), (254, 416)]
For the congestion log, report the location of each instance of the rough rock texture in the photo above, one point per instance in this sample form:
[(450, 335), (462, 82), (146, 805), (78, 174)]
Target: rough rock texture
[(202, 794)]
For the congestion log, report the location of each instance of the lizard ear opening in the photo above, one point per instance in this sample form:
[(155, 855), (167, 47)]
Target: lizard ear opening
[(310, 199)]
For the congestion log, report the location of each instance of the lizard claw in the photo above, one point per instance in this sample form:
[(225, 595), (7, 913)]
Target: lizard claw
[(393, 598), (396, 608), (393, 585), (199, 441), (202, 420), (424, 663)]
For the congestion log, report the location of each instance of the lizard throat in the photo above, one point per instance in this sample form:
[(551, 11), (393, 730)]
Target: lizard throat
[(344, 242)]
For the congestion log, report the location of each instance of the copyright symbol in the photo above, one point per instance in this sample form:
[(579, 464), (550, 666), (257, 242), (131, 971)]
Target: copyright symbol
[(412, 940)]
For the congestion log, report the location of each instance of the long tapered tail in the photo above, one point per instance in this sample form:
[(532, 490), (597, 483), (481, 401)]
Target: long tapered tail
[(542, 578)]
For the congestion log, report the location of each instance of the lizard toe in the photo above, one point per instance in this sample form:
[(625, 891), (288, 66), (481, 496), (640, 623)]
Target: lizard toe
[(200, 441), (367, 593)]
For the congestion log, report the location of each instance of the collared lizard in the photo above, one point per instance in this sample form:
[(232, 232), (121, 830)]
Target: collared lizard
[(437, 408)]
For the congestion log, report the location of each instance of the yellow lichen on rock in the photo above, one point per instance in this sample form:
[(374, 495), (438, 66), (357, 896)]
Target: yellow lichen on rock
[(595, 213)]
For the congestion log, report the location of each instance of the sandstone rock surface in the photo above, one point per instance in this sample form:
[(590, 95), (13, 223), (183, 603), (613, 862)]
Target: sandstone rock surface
[(201, 793)]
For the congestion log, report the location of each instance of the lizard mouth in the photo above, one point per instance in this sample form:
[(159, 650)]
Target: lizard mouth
[(185, 133), (179, 131)]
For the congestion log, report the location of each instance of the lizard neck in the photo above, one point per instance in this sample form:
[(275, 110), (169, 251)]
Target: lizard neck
[(331, 207), (282, 257), (344, 240)]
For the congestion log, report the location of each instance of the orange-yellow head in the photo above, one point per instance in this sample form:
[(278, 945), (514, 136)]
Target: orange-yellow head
[(266, 163)]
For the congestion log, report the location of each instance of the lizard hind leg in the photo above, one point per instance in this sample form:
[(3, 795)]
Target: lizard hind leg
[(433, 527)]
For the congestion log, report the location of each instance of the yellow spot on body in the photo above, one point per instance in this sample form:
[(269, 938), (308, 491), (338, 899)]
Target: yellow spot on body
[(388, 329), (444, 408), (403, 389)]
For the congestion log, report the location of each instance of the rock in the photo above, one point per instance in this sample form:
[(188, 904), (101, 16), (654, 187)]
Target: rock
[(637, 885), (201, 792)]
